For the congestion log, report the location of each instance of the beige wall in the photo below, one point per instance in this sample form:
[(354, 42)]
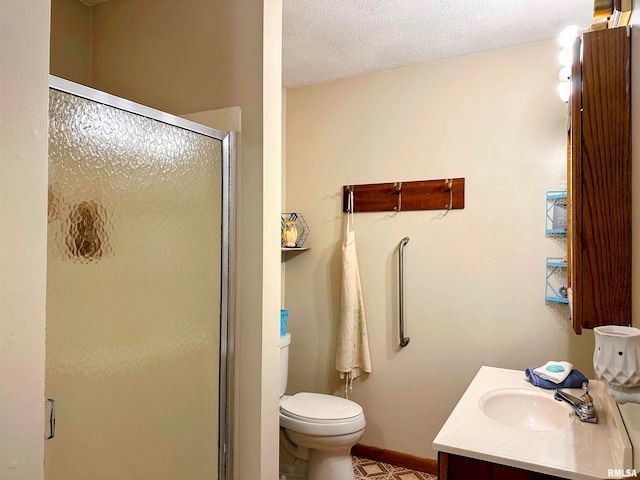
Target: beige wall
[(474, 279), (184, 47), (223, 119), (71, 40), (184, 57), (24, 68)]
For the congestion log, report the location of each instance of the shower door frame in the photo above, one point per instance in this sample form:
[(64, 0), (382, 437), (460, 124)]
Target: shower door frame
[(228, 140)]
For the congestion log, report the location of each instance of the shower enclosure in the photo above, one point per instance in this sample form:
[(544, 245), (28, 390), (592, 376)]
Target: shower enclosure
[(138, 330)]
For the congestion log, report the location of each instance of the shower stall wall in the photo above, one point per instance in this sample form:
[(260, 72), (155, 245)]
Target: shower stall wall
[(138, 292)]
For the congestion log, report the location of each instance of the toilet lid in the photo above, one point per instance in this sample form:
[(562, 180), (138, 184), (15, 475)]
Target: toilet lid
[(317, 406)]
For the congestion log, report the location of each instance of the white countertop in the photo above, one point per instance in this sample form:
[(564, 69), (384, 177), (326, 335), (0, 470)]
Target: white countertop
[(580, 451)]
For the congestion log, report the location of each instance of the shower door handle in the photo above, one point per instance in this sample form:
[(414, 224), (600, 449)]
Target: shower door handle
[(404, 341), (52, 418)]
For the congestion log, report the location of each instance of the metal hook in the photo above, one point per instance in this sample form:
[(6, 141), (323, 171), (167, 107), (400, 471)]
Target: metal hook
[(449, 183), (350, 190), (398, 186)]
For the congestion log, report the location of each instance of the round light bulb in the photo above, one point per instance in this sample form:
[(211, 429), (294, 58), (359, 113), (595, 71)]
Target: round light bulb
[(565, 74), (567, 35), (566, 56), (564, 90)]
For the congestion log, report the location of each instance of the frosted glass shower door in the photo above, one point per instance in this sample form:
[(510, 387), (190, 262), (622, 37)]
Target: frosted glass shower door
[(133, 295)]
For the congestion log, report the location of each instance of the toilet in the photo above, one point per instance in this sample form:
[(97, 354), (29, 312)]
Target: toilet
[(316, 429)]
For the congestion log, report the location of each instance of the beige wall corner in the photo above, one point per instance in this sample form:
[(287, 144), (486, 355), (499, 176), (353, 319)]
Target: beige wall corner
[(24, 76), (223, 119), (272, 177), (256, 74), (284, 149), (284, 190)]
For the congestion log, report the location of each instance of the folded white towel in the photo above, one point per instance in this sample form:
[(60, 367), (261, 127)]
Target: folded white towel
[(555, 372)]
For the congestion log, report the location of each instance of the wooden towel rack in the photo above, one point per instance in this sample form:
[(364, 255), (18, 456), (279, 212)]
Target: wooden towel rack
[(443, 194)]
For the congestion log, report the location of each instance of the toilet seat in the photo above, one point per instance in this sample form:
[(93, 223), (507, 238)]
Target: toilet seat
[(317, 407), (319, 414)]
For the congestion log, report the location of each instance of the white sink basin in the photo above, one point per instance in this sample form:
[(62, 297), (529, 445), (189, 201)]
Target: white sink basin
[(502, 418), (526, 409)]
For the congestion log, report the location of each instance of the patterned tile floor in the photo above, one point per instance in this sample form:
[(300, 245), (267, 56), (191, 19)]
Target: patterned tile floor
[(365, 468)]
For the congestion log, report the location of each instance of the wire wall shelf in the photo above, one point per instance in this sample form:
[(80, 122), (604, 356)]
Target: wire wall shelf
[(556, 275), (293, 224), (556, 214)]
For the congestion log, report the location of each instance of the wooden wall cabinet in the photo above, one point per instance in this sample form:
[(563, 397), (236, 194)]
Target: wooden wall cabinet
[(599, 186)]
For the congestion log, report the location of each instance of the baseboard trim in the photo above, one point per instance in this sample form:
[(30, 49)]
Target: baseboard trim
[(426, 465)]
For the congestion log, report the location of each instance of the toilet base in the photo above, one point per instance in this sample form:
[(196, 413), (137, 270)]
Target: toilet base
[(293, 459), (329, 456), (330, 464)]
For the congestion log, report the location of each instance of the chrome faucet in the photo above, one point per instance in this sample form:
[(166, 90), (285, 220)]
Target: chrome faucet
[(583, 406)]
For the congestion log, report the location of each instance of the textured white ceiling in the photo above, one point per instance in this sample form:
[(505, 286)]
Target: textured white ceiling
[(324, 40)]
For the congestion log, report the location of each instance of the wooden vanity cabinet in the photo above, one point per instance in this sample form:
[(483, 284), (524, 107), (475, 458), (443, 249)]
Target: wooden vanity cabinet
[(455, 467), (599, 183)]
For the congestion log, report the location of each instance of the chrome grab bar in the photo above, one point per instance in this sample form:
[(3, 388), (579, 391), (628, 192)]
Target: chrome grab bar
[(404, 341)]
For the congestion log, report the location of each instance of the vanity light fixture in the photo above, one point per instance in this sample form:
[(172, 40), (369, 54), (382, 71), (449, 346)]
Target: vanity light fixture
[(565, 57), (567, 35), (566, 38), (564, 75), (564, 91)]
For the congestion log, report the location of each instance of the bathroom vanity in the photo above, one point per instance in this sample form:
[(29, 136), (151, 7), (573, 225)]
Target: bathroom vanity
[(452, 467), (505, 428)]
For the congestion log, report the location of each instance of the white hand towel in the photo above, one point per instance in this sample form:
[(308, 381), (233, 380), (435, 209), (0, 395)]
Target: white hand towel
[(352, 356), (555, 372)]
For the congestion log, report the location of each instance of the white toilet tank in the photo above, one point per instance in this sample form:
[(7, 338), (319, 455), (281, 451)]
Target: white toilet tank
[(284, 361)]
